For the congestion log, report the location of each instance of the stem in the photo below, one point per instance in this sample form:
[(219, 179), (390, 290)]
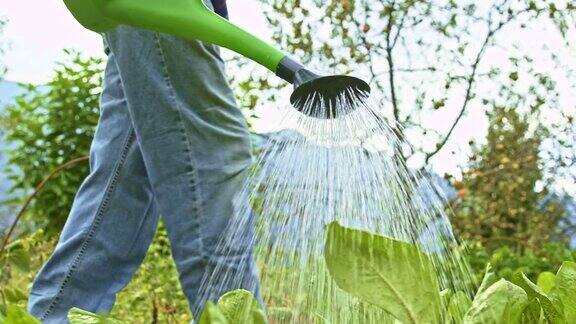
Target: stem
[(37, 190), (471, 80)]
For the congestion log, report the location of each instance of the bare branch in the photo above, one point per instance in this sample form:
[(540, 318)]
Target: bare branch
[(39, 188), (471, 80)]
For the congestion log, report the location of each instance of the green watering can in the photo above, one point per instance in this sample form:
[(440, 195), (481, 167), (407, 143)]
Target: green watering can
[(314, 95)]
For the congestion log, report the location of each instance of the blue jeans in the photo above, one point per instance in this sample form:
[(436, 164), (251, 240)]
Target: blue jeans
[(170, 142)]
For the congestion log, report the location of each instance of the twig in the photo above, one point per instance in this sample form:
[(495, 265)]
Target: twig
[(471, 81), (37, 190)]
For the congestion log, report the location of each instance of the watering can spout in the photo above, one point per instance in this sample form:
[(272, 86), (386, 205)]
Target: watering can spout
[(192, 19)]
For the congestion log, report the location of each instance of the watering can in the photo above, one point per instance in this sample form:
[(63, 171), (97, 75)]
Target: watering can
[(192, 19)]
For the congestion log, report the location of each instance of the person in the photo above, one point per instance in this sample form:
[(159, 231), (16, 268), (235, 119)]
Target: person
[(170, 141)]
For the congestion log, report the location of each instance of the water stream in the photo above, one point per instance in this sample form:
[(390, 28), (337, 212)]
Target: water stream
[(345, 169)]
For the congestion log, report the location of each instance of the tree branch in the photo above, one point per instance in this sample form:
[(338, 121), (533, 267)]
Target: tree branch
[(471, 80), (37, 190)]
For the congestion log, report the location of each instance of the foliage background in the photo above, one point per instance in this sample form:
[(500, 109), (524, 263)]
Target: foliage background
[(423, 59)]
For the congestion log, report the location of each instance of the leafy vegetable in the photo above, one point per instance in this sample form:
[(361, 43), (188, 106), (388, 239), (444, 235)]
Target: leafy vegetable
[(445, 296), (564, 290), (390, 274), (503, 302), (212, 315), (459, 304), (546, 281), (552, 313), (533, 313), (80, 316), (17, 315), (239, 306), (488, 280)]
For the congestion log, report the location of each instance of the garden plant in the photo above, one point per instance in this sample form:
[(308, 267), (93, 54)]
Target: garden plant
[(511, 219), (395, 276)]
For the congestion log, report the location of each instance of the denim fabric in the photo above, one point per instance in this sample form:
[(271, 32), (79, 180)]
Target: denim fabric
[(170, 142), (220, 7)]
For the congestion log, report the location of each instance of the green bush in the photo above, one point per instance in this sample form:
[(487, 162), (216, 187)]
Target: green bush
[(506, 262), (48, 126), (154, 293)]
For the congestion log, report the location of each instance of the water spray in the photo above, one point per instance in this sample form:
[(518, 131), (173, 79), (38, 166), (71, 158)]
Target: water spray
[(343, 168), (192, 19)]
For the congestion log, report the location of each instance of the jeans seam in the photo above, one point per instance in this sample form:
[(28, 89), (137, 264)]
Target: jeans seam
[(111, 186), (192, 171)]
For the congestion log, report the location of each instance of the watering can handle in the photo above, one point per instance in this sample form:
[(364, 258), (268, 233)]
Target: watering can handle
[(190, 19)]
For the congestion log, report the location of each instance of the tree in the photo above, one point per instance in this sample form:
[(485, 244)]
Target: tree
[(500, 199), (422, 58), (48, 126)]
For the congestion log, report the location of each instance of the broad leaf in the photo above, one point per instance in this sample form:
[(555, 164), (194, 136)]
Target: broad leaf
[(80, 316), (20, 259), (552, 313), (240, 306), (503, 302), (488, 280), (533, 313), (546, 281), (564, 290), (212, 315), (17, 315), (445, 296), (393, 275), (458, 306)]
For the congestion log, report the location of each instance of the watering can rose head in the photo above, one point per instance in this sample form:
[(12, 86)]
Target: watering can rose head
[(322, 96)]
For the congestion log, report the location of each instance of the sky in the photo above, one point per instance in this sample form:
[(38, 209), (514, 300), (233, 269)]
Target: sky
[(38, 31), (36, 39)]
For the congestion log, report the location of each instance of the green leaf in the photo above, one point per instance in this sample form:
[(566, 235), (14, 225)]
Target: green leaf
[(513, 76), (552, 313), (503, 302), (489, 279), (239, 306), (546, 281), (393, 275), (445, 296), (212, 315), (20, 259), (533, 313), (14, 295), (17, 315), (458, 306), (80, 316), (564, 290)]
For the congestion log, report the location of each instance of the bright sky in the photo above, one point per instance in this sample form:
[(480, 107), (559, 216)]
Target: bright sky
[(38, 30)]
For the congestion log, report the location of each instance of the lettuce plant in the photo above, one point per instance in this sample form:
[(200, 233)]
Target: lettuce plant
[(399, 278), (17, 315), (384, 272), (237, 306), (79, 316)]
